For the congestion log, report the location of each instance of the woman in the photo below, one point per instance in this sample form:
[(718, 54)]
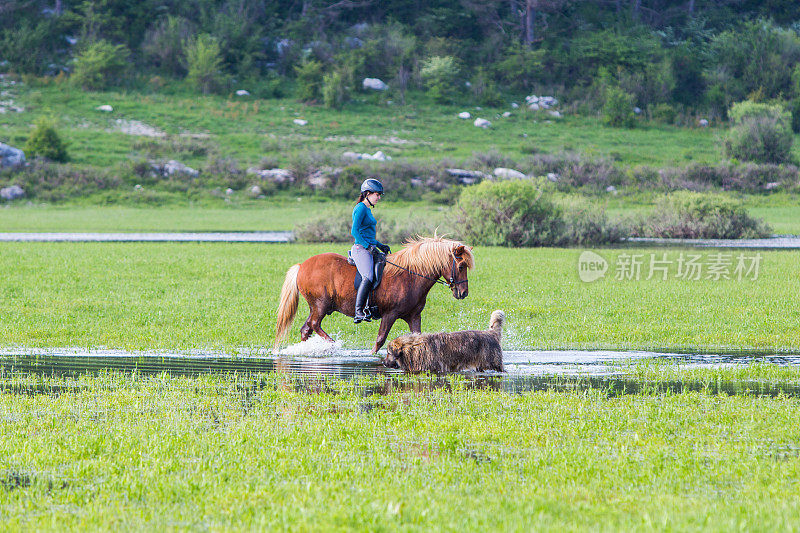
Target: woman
[(363, 232)]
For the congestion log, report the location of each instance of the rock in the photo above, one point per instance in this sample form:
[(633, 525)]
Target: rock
[(319, 179), (106, 108), (10, 156), (134, 127), (552, 176), (137, 187), (12, 193), (482, 123), (507, 114), (71, 40), (637, 110), (255, 191), (242, 92), (173, 167), (275, 175), (300, 122), (703, 123), (466, 177), (509, 174), (611, 189), (465, 115), (554, 114), (353, 42), (534, 107), (771, 185), (375, 84), (514, 105), (377, 156), (416, 182), (351, 156), (532, 99)]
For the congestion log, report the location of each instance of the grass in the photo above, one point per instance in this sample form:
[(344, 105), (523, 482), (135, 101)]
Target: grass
[(224, 296), (243, 452), (250, 129)]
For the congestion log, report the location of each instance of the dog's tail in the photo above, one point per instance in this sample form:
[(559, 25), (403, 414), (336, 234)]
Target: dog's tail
[(496, 323), (288, 306)]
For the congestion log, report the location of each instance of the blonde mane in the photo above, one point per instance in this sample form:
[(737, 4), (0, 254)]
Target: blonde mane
[(429, 256)]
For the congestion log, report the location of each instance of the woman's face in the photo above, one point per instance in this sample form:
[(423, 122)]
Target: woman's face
[(373, 197)]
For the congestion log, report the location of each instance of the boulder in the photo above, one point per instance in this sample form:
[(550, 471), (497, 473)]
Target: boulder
[(275, 175), (255, 191), (482, 123), (514, 105), (229, 191), (552, 176), (172, 167), (554, 114), (300, 122), (242, 92), (375, 84), (507, 114), (377, 156), (466, 177), (12, 193), (703, 123), (637, 110), (106, 108), (611, 189), (11, 157), (534, 107), (771, 185), (352, 156), (509, 174), (465, 115)]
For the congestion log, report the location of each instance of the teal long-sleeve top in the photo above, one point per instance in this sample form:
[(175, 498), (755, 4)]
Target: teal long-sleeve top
[(364, 223)]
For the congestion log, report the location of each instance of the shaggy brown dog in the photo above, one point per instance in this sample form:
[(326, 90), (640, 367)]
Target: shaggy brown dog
[(449, 352)]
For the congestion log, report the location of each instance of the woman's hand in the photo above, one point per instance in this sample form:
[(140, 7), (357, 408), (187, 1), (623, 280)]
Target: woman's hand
[(384, 248)]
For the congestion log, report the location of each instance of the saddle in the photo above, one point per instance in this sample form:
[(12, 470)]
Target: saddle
[(378, 264)]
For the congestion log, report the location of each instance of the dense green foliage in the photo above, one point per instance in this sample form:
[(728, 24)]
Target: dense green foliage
[(698, 55), (761, 133), (46, 142)]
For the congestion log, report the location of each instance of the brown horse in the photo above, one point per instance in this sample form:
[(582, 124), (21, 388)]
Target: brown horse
[(326, 282)]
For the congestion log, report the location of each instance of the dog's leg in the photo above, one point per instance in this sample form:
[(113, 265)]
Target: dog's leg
[(387, 322)]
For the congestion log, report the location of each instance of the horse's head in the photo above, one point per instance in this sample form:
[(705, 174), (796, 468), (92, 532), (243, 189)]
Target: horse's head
[(457, 279)]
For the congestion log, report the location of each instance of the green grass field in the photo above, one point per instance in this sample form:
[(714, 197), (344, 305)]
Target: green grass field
[(141, 296), (249, 129), (243, 452)]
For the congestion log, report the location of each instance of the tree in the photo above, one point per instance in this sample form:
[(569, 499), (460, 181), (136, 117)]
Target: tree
[(204, 62)]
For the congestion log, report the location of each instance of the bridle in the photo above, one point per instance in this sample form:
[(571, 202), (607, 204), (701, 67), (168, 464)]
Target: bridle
[(451, 281)]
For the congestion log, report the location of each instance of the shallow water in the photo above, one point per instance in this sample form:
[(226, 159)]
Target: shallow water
[(314, 362)]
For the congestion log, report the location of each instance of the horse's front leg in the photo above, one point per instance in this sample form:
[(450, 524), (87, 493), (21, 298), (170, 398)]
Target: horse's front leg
[(415, 323), (387, 322)]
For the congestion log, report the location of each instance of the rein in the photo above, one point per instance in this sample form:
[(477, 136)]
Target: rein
[(450, 283)]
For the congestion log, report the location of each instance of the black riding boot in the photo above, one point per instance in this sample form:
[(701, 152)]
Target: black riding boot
[(361, 301)]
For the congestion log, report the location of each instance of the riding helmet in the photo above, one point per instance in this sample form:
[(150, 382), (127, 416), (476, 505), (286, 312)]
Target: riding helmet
[(372, 185)]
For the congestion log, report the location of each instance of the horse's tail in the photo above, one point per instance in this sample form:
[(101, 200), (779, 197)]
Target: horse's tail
[(496, 323), (290, 295)]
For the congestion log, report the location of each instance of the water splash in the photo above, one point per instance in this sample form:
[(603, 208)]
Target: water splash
[(316, 346)]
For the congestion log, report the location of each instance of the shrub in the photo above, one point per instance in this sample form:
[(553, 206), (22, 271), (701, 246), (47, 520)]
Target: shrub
[(664, 113), (692, 215), (96, 65), (163, 44), (796, 115), (204, 63), (761, 133), (618, 108), (309, 80), (441, 77), (334, 90), (509, 213), (45, 142), (587, 224)]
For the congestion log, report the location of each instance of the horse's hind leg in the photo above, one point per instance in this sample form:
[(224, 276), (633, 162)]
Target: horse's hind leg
[(305, 331), (315, 323)]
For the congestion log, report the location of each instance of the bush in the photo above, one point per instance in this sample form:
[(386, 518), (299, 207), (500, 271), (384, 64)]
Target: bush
[(796, 115), (204, 63), (163, 44), (664, 113), (45, 142), (309, 80), (509, 213), (96, 65), (692, 215), (441, 77), (586, 224), (618, 108), (335, 225), (334, 90), (761, 133)]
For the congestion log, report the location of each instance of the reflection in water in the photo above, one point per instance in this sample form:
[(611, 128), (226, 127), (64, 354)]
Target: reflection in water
[(525, 371)]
